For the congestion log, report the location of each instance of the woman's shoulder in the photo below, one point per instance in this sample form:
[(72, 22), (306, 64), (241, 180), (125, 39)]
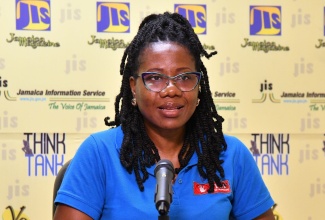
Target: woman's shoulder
[(104, 139), (231, 140), (108, 133), (235, 145)]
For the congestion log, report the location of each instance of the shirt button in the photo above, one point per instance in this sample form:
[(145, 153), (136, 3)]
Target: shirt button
[(180, 181)]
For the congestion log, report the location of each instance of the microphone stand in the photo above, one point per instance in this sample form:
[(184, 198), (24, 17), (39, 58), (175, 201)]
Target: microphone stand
[(163, 217), (163, 212)]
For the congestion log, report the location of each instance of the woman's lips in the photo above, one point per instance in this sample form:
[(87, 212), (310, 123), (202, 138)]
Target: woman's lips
[(170, 106), (171, 109)]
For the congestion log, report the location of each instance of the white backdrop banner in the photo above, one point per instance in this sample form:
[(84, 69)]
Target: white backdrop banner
[(59, 75)]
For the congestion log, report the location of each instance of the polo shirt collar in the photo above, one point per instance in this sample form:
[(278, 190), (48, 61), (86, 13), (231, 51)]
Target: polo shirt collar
[(151, 170), (191, 163)]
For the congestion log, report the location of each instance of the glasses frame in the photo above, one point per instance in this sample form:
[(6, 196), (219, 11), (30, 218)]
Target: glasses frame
[(198, 75)]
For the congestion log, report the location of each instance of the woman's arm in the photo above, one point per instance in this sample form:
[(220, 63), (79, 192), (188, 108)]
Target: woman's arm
[(268, 215), (64, 212)]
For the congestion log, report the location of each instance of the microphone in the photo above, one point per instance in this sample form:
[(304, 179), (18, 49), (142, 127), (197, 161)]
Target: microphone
[(164, 173)]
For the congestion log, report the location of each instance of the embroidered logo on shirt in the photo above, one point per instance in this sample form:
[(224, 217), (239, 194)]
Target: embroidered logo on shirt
[(202, 188)]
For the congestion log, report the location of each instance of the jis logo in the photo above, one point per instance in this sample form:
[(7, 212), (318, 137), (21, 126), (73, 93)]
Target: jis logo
[(196, 15), (33, 15), (265, 20), (113, 17)]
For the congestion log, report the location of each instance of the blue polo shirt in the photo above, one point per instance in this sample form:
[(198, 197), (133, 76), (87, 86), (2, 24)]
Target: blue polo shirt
[(97, 184)]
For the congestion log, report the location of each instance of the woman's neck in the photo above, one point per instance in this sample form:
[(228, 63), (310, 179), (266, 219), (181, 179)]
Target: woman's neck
[(168, 143)]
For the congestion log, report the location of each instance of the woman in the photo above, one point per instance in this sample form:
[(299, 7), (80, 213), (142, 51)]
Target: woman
[(164, 111)]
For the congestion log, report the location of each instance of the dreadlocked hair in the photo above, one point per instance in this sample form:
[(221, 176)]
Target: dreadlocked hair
[(203, 134)]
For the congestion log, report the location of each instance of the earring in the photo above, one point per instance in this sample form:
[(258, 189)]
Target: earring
[(134, 102), (198, 102)]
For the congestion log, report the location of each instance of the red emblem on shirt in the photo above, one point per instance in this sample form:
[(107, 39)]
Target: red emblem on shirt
[(202, 188)]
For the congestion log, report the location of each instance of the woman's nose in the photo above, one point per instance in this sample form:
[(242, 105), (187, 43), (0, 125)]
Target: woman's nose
[(171, 89)]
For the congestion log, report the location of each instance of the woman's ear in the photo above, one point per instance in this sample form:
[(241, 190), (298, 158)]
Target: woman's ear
[(132, 82)]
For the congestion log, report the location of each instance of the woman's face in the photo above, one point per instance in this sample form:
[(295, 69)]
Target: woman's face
[(171, 108)]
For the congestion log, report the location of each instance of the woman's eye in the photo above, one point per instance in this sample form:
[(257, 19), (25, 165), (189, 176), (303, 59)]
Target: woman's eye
[(186, 77), (183, 77), (155, 77)]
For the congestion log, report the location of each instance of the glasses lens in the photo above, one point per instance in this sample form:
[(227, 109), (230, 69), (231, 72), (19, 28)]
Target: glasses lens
[(156, 82), (187, 81)]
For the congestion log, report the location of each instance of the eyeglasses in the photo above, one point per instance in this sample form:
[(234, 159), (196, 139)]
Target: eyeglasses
[(156, 82)]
